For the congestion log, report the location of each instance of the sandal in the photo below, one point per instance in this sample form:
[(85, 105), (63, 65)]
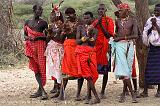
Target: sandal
[(143, 95), (122, 99), (78, 99), (36, 95), (157, 95), (95, 101), (44, 96), (134, 98), (102, 96)]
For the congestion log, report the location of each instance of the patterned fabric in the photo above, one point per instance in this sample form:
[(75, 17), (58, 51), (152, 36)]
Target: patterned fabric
[(134, 74), (154, 38), (151, 36), (101, 45), (34, 50), (152, 72), (54, 54), (123, 6), (124, 55), (69, 64), (86, 61)]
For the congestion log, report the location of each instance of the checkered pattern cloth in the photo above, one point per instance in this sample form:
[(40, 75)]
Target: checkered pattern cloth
[(34, 50)]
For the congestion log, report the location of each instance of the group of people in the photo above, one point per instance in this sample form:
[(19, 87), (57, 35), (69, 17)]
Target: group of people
[(73, 48)]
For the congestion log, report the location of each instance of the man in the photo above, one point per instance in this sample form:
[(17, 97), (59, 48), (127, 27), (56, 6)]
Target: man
[(151, 37), (69, 64), (105, 27), (87, 21), (122, 46), (86, 55), (134, 74), (35, 47)]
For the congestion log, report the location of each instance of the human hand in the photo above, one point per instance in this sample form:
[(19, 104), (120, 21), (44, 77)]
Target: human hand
[(83, 39), (154, 21)]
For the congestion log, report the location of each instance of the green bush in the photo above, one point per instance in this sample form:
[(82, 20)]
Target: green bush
[(24, 11), (153, 2)]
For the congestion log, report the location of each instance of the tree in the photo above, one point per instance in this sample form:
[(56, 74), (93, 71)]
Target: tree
[(142, 14), (10, 44)]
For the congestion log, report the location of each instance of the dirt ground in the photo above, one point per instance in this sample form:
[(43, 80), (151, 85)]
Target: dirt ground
[(17, 84)]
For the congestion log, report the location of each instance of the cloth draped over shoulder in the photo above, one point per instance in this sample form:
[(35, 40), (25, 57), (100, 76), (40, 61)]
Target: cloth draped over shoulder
[(102, 45), (34, 50)]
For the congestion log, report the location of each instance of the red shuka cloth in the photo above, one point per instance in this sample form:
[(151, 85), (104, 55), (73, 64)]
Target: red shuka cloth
[(134, 74), (69, 64), (83, 53), (102, 42), (34, 50)]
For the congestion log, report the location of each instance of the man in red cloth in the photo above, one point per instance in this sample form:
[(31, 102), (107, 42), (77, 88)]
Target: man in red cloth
[(105, 26), (69, 64), (35, 47), (86, 54)]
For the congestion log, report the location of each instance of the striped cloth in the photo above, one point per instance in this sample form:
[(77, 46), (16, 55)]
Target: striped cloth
[(152, 72)]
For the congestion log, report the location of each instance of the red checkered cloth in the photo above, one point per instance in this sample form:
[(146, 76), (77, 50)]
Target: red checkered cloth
[(34, 50), (86, 62)]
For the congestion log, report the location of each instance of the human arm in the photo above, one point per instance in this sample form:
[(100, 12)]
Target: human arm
[(93, 35), (108, 32)]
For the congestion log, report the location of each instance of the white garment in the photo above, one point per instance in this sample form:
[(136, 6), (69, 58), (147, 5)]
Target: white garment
[(153, 37), (54, 55)]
